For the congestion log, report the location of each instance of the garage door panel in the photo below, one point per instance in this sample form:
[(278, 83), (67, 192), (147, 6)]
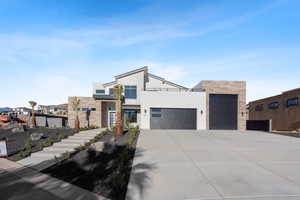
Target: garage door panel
[(173, 118), (223, 111)]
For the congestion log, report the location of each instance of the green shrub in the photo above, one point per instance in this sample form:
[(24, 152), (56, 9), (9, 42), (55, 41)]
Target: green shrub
[(60, 137)]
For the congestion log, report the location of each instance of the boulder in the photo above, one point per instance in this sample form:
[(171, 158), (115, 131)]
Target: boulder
[(36, 136), (97, 146)]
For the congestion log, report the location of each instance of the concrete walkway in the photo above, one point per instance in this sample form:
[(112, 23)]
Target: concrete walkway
[(23, 183), (45, 158), (213, 165)]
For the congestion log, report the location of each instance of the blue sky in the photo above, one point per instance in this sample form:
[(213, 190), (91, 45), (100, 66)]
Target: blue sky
[(52, 49)]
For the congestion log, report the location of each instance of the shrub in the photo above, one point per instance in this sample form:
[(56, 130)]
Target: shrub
[(132, 135)]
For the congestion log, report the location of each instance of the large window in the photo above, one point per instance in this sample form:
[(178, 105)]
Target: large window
[(274, 105), (100, 91), (130, 115), (292, 102), (130, 91)]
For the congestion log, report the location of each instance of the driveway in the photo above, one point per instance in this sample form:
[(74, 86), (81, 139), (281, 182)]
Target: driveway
[(232, 165)]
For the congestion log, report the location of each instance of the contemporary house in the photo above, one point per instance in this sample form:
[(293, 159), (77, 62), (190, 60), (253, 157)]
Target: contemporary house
[(283, 110), (153, 102), (60, 109)]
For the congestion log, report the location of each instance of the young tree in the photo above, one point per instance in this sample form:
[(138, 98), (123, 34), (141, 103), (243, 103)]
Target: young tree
[(33, 104), (119, 91), (75, 104)]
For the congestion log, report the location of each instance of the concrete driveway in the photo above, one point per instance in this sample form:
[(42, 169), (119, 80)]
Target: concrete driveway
[(210, 165)]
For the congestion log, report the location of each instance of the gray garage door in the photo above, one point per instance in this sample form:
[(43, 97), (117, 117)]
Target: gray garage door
[(173, 118), (223, 111)]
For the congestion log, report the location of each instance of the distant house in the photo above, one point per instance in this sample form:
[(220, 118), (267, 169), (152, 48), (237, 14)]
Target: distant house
[(61, 109), (5, 110), (22, 110)]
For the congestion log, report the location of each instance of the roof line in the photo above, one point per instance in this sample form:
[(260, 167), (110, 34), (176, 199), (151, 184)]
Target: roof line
[(169, 82), (145, 68), (109, 83)]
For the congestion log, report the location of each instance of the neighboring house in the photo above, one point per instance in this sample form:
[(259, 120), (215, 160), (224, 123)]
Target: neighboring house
[(152, 102), (61, 109), (5, 110), (22, 110), (283, 110)]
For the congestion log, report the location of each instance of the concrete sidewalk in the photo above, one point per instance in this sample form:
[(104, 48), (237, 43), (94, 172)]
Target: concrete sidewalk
[(214, 165)]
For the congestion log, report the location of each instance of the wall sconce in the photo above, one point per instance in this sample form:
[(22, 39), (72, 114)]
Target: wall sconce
[(145, 111), (201, 112), (242, 114)]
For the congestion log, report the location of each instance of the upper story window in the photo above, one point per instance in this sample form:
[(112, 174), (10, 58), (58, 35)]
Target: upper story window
[(292, 102), (112, 91), (274, 105), (100, 91), (130, 91), (259, 107)]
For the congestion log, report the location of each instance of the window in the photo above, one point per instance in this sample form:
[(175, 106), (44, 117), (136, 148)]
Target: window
[(130, 91), (112, 91), (100, 91), (259, 107), (86, 109), (156, 115), (156, 109), (274, 105), (292, 102), (131, 115)]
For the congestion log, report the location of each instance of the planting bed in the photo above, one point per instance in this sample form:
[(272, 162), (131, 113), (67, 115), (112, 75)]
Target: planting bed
[(105, 173)]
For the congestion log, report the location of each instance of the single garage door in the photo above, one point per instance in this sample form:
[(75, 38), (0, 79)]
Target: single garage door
[(173, 118), (223, 111)]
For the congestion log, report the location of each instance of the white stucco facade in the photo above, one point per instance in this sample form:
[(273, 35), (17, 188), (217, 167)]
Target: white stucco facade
[(165, 99)]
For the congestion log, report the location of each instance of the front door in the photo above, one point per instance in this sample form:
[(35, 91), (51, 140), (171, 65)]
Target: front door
[(111, 118)]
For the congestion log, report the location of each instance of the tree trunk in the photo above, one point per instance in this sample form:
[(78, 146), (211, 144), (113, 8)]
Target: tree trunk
[(119, 128), (77, 123), (33, 121)]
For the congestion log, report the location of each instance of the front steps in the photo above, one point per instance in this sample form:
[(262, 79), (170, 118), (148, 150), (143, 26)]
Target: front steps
[(57, 149)]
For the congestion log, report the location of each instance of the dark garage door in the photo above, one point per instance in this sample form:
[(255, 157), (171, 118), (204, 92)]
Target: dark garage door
[(223, 111), (173, 118)]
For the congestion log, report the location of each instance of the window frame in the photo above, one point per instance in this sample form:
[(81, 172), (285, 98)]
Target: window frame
[(296, 99), (130, 91), (102, 91), (272, 107), (131, 114), (259, 107)]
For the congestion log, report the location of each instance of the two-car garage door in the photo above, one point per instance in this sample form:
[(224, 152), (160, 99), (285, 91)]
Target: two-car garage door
[(173, 118)]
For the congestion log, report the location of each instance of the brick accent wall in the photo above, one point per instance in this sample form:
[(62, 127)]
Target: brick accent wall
[(227, 87)]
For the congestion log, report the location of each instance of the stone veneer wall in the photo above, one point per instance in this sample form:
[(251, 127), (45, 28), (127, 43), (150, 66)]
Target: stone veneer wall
[(227, 87), (85, 102)]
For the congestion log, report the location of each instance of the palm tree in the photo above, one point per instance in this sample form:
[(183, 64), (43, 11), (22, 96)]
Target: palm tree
[(118, 91), (75, 104), (33, 104)]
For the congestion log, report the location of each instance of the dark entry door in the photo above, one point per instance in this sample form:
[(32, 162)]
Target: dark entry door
[(173, 118), (223, 111)]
